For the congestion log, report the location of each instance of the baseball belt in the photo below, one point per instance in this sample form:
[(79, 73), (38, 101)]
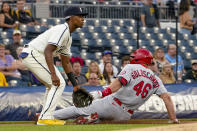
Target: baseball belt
[(123, 106)]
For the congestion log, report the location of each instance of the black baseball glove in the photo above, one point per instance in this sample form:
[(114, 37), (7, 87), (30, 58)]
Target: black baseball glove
[(82, 98)]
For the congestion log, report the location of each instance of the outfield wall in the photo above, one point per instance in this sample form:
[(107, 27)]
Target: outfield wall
[(21, 103)]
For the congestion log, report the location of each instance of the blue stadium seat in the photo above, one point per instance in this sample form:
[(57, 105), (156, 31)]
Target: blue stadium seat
[(107, 29), (84, 29), (89, 22), (120, 29), (99, 35), (98, 29), (75, 36), (124, 35), (103, 22), (115, 23), (6, 35), (75, 49)]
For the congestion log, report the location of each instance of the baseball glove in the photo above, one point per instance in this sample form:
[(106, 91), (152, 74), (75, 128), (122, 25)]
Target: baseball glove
[(82, 98)]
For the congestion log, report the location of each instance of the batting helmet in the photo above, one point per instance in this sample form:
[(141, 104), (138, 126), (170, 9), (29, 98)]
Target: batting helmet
[(142, 56)]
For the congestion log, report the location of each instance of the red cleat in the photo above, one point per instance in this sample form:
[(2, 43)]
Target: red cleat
[(93, 118)]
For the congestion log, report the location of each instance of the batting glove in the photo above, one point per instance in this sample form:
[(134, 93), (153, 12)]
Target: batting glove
[(96, 94)]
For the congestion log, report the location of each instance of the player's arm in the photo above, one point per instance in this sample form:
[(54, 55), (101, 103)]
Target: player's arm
[(143, 19), (158, 24), (48, 53), (113, 87), (69, 71), (170, 107)]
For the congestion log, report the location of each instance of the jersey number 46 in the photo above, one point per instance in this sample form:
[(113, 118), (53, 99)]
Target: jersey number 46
[(142, 89)]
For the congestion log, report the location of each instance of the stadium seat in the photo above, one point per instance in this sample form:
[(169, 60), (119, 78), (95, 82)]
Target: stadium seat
[(107, 29), (85, 35), (124, 36), (84, 29), (98, 55), (6, 35), (89, 22), (117, 62), (7, 41), (75, 49), (98, 35), (75, 36)]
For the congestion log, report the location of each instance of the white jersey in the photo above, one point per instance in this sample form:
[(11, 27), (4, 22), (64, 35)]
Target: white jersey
[(141, 84), (58, 35)]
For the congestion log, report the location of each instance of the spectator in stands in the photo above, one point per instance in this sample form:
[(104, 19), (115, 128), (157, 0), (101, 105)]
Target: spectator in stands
[(167, 75), (192, 74), (58, 64), (171, 57), (93, 80), (3, 81), (23, 15), (150, 15), (108, 73), (16, 43), (107, 57), (77, 71), (186, 24), (7, 66), (159, 57), (125, 61), (154, 67), (7, 20), (94, 68)]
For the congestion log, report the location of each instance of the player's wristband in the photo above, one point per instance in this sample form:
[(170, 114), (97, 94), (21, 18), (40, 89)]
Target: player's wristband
[(123, 81), (72, 79), (106, 92)]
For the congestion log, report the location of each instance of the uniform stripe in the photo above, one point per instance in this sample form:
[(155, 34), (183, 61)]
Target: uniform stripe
[(62, 35), (52, 43), (39, 62), (50, 103), (65, 54), (50, 74)]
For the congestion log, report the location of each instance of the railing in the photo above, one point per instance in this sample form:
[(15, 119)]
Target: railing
[(109, 11), (103, 11)]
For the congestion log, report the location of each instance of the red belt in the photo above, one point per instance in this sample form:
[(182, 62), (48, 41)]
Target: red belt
[(120, 103)]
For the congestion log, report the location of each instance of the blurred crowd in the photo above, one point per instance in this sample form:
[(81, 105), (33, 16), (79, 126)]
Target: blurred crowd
[(14, 73)]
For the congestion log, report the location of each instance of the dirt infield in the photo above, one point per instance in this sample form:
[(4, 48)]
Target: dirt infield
[(175, 127)]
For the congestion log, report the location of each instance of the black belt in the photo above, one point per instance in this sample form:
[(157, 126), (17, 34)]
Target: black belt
[(26, 46)]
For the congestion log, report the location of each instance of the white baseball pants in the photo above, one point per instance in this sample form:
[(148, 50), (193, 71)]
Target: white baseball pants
[(36, 63)]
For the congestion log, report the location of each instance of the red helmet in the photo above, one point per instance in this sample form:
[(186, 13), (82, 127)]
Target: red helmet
[(142, 56)]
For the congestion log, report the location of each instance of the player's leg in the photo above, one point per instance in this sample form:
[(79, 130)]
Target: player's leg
[(37, 65), (105, 108)]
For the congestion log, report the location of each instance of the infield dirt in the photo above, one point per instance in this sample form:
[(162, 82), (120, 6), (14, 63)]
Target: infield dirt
[(175, 127)]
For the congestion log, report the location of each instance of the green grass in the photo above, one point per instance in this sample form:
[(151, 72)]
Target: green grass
[(30, 126), (95, 127)]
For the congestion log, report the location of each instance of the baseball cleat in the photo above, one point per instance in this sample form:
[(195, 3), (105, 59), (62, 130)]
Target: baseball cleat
[(51, 122), (93, 118)]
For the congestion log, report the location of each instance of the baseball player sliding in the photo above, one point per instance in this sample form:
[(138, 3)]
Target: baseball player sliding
[(135, 85), (38, 57)]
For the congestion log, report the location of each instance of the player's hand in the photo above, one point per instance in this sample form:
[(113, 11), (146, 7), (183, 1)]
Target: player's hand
[(175, 121), (75, 88), (55, 80), (96, 94)]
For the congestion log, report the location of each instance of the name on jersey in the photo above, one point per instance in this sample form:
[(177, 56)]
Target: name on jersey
[(141, 73)]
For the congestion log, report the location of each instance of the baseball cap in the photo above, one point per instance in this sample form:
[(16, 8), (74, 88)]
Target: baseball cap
[(16, 32), (194, 62), (107, 52), (74, 11)]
